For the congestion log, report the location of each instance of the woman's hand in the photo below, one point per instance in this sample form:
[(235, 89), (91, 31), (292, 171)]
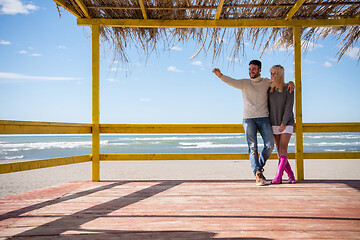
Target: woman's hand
[(282, 128)]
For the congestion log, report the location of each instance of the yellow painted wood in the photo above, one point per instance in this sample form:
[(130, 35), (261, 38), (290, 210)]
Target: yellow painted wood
[(68, 7), (83, 8), (143, 9), (331, 127), (153, 23), (24, 127), (299, 166), (30, 165), (332, 155), (171, 128), (95, 104), (178, 156), (294, 9), (28, 127), (219, 9)]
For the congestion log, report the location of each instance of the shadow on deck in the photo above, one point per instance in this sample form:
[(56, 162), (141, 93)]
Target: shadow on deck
[(184, 210)]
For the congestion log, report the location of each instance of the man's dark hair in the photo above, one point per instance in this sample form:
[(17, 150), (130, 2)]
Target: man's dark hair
[(256, 62)]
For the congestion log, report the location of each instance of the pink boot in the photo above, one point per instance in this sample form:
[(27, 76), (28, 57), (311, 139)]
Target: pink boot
[(289, 173), (281, 168)]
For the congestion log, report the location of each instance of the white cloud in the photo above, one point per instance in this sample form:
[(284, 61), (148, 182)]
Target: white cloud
[(175, 48), (12, 7), (3, 42), (327, 64), (112, 80), (310, 61), (144, 99), (173, 69), (353, 52), (36, 55), (23, 52), (196, 63), (61, 47), (6, 77)]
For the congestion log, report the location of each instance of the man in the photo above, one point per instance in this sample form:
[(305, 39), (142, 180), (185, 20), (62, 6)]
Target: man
[(256, 117)]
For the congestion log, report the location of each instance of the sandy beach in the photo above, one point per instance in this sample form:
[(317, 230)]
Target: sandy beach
[(12, 183)]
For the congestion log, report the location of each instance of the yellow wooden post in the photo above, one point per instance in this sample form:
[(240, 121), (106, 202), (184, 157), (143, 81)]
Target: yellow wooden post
[(299, 156), (95, 105)]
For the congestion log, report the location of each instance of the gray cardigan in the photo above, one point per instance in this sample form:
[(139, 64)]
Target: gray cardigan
[(281, 107)]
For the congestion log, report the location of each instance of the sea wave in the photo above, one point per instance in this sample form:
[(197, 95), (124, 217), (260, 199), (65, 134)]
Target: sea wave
[(14, 157), (333, 136), (179, 138), (187, 145)]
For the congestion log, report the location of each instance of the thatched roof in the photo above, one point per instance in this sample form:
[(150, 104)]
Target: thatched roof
[(211, 38)]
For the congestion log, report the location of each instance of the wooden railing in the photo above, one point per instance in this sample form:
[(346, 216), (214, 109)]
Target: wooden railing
[(22, 127)]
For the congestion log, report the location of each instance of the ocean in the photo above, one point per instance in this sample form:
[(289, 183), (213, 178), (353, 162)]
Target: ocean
[(29, 147)]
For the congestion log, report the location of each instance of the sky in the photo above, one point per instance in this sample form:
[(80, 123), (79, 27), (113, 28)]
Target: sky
[(45, 75)]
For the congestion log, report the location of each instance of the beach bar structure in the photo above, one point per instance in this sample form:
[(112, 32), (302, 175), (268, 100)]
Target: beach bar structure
[(152, 18)]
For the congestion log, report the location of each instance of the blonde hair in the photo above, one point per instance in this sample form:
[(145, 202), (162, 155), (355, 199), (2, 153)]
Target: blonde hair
[(281, 73)]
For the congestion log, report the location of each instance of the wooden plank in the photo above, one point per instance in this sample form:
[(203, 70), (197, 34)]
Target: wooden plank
[(95, 156), (83, 8), (299, 166), (23, 127), (331, 127), (184, 209), (257, 23), (219, 9), (36, 164), (294, 9), (332, 155), (68, 7), (143, 9), (179, 156), (171, 128)]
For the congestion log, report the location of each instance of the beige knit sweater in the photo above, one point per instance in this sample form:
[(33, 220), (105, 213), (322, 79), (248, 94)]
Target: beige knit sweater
[(254, 93)]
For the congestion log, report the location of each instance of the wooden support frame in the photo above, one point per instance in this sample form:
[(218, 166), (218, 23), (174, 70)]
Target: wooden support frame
[(294, 9), (299, 166), (95, 104), (83, 8), (143, 9), (219, 9), (154, 23), (68, 7)]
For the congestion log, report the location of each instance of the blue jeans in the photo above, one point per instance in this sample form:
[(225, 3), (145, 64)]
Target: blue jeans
[(251, 126)]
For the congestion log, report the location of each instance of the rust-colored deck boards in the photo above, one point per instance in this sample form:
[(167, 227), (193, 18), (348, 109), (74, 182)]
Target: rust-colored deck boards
[(184, 210)]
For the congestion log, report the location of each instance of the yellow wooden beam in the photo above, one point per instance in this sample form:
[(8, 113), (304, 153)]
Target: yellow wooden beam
[(95, 104), (332, 155), (143, 9), (68, 7), (154, 23), (294, 9), (299, 166), (36, 164), (331, 127), (219, 9), (25, 127), (171, 128), (83, 8), (178, 156), (218, 156)]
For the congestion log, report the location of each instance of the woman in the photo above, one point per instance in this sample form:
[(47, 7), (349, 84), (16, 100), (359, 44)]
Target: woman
[(281, 103)]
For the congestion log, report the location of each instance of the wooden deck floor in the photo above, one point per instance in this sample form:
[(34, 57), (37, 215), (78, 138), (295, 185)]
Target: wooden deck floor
[(184, 210)]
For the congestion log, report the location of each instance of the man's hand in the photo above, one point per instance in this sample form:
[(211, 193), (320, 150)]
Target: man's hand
[(217, 72), (290, 86)]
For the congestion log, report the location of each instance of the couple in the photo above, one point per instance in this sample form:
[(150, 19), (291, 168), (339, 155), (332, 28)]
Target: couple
[(268, 109)]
